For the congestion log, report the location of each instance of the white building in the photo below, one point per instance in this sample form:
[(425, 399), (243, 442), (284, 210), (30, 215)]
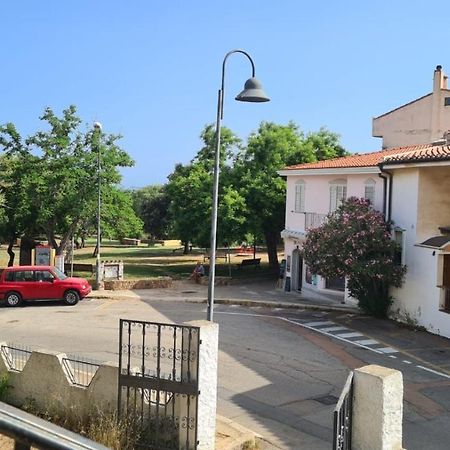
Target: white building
[(421, 121), (411, 186)]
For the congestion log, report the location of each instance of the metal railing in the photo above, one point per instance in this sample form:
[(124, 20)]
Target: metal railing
[(81, 371), (15, 355), (27, 430), (342, 417), (314, 220)]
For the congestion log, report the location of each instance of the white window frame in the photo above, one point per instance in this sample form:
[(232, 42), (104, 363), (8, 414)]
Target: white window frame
[(369, 191), (338, 193), (299, 202)]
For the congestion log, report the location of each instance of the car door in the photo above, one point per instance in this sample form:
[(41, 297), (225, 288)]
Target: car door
[(25, 283), (47, 286)]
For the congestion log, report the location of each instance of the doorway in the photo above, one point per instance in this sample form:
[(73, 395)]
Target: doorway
[(297, 271)]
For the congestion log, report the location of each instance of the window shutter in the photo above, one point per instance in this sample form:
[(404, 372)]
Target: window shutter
[(333, 198), (299, 198)]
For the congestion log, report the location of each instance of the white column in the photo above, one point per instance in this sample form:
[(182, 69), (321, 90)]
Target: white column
[(377, 408), (207, 383)]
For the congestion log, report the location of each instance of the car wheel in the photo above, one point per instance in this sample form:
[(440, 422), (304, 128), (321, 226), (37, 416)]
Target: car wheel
[(71, 297), (13, 299)]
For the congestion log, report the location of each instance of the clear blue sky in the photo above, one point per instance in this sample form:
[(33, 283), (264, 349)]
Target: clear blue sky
[(150, 70)]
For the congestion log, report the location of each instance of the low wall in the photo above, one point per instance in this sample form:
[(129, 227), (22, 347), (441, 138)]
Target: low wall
[(152, 283), (46, 383), (219, 281)]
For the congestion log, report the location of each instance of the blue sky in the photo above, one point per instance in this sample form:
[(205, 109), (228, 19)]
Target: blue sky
[(150, 70)]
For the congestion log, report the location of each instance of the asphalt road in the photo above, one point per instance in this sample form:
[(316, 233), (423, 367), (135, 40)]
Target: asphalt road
[(280, 371)]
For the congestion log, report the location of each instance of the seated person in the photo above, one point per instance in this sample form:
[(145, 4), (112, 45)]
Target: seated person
[(198, 272)]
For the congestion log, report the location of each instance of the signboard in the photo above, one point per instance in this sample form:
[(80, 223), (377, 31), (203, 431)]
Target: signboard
[(43, 255)]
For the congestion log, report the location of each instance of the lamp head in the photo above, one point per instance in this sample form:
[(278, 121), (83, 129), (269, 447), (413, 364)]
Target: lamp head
[(97, 126), (253, 92)]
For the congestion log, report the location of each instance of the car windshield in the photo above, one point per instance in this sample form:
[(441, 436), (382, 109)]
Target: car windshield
[(59, 274)]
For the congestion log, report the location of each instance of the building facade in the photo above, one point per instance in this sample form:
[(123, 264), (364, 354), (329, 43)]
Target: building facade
[(409, 184)]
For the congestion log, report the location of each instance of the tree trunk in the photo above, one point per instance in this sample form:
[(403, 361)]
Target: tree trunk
[(11, 254), (271, 243), (186, 248), (26, 245)]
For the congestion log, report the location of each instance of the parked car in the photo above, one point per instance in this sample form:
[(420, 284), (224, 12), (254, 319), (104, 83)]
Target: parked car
[(27, 283)]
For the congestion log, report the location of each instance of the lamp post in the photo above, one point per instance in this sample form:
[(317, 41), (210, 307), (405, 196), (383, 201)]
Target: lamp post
[(252, 92), (97, 135)]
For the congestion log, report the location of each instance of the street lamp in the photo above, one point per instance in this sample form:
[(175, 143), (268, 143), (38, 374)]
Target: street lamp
[(252, 92), (97, 135)]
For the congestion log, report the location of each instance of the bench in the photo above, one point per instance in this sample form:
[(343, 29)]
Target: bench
[(79, 267), (249, 262)]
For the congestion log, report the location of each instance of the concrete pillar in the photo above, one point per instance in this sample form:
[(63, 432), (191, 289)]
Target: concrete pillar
[(377, 408), (207, 383)]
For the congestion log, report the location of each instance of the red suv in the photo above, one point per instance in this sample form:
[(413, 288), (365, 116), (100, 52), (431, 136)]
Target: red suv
[(23, 283)]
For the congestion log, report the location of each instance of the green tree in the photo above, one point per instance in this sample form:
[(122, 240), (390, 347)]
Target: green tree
[(151, 204), (355, 242), (52, 180), (190, 193), (268, 150)]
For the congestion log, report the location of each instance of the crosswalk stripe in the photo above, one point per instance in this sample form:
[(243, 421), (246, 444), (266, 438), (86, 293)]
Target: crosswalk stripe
[(387, 350), (349, 335), (318, 324), (367, 342), (329, 329)]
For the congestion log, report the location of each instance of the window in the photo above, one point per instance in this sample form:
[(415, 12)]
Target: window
[(26, 275), (338, 193), (399, 238), (369, 191), (446, 284), (299, 197), (44, 275)]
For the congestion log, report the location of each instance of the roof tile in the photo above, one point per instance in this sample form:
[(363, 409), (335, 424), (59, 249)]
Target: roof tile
[(414, 153)]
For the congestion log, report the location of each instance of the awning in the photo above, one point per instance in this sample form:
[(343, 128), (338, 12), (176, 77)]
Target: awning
[(293, 234), (438, 242)]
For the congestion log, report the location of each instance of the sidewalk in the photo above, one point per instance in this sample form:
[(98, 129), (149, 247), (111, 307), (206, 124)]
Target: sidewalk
[(262, 293)]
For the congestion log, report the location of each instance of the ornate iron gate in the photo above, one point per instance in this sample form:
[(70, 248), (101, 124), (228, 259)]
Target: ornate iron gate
[(158, 383)]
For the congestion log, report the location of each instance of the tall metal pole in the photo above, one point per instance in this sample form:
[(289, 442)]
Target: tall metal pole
[(215, 201), (98, 278), (215, 195)]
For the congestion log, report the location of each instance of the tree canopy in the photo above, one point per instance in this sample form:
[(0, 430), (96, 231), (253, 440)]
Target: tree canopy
[(51, 178), (251, 193)]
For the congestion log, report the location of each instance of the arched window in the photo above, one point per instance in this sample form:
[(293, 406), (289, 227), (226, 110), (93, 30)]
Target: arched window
[(338, 193), (299, 196), (369, 190)]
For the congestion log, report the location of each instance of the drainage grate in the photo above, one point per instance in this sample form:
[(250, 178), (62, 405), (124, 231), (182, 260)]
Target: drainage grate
[(188, 292), (327, 400)]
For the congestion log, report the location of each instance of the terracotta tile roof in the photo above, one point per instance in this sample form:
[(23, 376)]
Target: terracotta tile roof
[(414, 153), (428, 154)]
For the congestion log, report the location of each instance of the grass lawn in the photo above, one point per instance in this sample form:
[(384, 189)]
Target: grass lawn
[(147, 262)]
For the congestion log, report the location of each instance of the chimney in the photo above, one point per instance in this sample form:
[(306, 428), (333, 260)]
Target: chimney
[(439, 80)]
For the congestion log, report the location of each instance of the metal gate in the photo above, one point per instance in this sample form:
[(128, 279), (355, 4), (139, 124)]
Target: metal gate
[(342, 417), (158, 383)]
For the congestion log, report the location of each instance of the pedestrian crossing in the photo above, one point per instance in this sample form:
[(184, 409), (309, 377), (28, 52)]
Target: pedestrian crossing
[(346, 334)]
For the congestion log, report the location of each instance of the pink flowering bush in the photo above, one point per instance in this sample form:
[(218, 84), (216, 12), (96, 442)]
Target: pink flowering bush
[(355, 242)]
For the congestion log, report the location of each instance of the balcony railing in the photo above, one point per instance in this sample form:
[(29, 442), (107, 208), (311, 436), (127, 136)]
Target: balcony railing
[(314, 220)]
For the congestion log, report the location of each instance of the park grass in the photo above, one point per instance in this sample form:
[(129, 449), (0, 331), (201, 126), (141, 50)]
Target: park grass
[(156, 261)]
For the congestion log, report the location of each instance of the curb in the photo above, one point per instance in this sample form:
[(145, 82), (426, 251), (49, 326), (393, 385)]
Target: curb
[(232, 436), (243, 302)]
